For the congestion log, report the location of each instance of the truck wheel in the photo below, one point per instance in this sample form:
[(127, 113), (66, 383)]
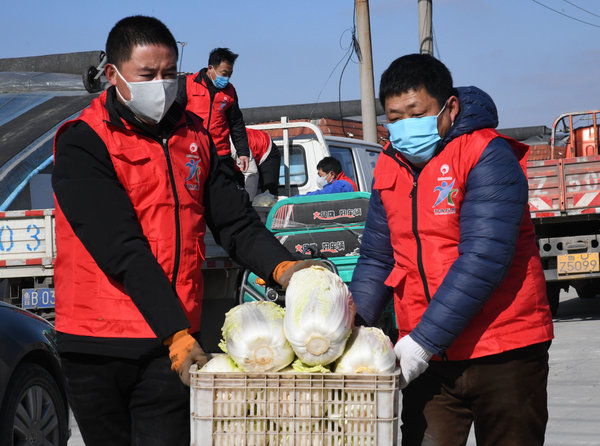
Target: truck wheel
[(91, 85), (553, 292)]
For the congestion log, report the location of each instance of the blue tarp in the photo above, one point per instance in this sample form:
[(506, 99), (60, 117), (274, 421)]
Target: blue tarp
[(32, 107)]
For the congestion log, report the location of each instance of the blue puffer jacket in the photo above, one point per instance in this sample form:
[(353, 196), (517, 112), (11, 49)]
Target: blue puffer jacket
[(496, 200), (333, 187)]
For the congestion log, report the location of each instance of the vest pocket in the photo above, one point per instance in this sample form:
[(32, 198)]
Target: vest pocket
[(396, 278), (384, 181), (140, 171), (133, 155)]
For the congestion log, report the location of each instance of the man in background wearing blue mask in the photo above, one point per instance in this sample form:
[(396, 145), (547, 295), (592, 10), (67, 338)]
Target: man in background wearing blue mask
[(209, 94), (449, 235)]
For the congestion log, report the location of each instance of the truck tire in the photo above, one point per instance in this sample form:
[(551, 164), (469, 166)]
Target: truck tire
[(553, 292), (91, 85)]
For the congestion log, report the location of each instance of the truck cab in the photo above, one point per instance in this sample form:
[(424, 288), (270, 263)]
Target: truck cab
[(302, 153)]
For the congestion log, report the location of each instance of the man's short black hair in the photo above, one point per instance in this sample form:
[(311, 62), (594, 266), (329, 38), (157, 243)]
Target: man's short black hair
[(329, 164), (135, 31), (219, 55), (413, 71)]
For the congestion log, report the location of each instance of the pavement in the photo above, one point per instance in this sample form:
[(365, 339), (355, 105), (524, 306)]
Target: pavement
[(573, 383)]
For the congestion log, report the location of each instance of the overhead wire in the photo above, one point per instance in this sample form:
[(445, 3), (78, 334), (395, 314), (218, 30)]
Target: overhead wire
[(579, 7), (566, 15), (349, 49)]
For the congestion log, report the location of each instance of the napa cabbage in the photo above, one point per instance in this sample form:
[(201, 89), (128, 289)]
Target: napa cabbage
[(220, 363), (368, 350), (319, 315), (252, 335)]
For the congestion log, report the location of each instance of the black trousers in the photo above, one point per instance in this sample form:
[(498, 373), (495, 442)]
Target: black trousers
[(268, 171), (503, 395), (124, 402)]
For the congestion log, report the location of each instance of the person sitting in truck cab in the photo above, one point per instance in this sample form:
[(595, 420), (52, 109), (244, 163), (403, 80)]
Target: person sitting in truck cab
[(332, 178)]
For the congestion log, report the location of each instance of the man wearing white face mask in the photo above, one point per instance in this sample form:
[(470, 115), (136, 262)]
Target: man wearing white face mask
[(136, 180), (331, 178), (449, 236)]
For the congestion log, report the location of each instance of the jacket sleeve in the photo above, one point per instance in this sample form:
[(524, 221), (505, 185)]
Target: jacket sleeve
[(334, 187), (237, 128), (374, 265), (490, 217), (236, 226), (98, 209)]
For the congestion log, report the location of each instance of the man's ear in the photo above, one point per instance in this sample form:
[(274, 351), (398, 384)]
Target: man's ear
[(110, 73), (453, 107)]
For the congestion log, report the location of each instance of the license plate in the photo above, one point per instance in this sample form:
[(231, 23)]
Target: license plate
[(38, 298), (577, 263)]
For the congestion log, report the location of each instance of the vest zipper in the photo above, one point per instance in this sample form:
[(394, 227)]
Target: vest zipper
[(413, 194), (165, 147)]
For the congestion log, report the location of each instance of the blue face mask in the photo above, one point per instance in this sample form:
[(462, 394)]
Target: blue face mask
[(221, 81), (416, 138)]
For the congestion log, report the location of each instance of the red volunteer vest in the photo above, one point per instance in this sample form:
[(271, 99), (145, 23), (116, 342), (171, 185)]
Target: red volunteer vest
[(92, 304), (260, 144), (198, 102), (517, 314)]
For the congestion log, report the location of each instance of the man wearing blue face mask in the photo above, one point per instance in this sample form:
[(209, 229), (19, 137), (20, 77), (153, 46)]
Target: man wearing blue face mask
[(449, 236), (210, 95)]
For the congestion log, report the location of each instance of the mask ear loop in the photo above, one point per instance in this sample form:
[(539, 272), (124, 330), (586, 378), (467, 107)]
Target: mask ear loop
[(444, 108), (126, 84)]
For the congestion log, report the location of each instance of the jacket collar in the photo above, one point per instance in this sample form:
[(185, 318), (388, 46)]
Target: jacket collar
[(203, 79), (477, 111)]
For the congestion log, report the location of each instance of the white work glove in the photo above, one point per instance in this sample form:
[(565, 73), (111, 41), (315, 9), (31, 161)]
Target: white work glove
[(413, 358)]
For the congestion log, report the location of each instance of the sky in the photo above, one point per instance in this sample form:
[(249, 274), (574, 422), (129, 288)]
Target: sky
[(536, 58)]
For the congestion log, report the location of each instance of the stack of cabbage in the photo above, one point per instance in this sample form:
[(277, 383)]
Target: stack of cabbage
[(316, 326)]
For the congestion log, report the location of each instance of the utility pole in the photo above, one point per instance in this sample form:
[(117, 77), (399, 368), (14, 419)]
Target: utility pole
[(367, 88), (425, 27)]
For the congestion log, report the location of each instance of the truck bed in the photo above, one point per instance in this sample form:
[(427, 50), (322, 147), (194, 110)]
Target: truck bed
[(562, 187)]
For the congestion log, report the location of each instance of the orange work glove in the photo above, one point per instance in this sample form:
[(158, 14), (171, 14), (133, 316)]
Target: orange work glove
[(284, 271), (183, 352)]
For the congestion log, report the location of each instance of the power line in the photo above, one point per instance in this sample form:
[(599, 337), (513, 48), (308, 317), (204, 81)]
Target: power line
[(349, 51), (561, 13), (579, 7)]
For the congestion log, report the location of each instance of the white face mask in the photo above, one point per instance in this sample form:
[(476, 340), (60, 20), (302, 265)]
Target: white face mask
[(150, 100), (322, 181)]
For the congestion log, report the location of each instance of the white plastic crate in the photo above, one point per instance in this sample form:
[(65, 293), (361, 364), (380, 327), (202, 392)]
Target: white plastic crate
[(293, 409)]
